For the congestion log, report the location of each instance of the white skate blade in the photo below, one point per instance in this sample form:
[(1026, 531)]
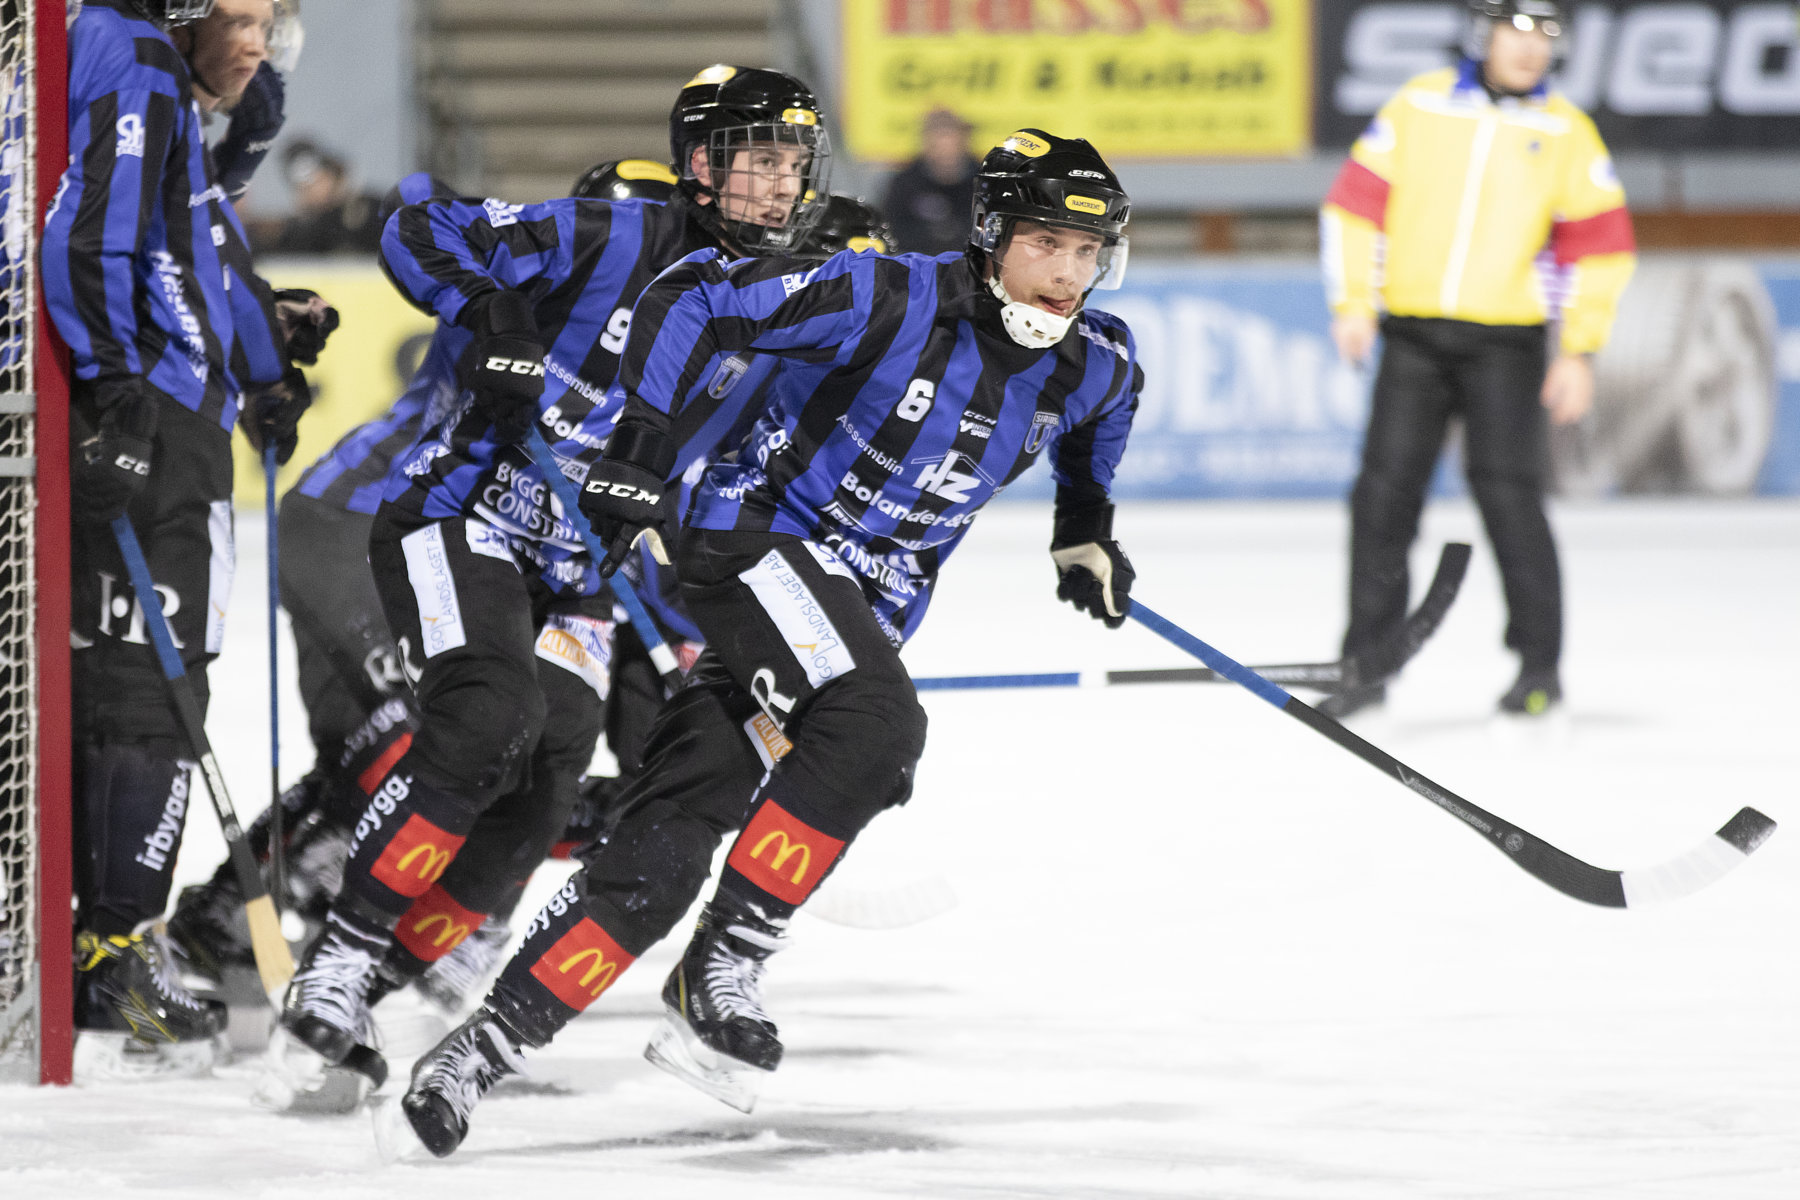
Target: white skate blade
[(296, 1079), (102, 1057), (675, 1049), (395, 1140)]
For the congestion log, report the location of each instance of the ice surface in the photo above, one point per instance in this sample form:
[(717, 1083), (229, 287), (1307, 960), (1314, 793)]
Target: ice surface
[(1199, 951)]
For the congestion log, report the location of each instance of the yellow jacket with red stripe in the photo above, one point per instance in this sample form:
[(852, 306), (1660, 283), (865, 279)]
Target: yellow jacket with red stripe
[(1453, 205)]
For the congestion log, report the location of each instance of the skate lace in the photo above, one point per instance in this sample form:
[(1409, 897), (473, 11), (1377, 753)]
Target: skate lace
[(334, 986), (164, 975), (464, 1072), (466, 967), (734, 983)]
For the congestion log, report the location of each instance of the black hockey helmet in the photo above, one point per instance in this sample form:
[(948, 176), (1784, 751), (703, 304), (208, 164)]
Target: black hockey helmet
[(1547, 16), (847, 223), (1037, 176), (626, 179), (167, 14), (726, 109)]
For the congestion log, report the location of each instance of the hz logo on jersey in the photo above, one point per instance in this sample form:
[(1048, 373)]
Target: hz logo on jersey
[(417, 857), (941, 479), (583, 963), (782, 854)]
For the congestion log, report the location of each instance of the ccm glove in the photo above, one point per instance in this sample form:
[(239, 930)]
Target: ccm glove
[(623, 496), (256, 120), (1093, 573), (306, 322), (112, 452), (505, 364), (272, 413)]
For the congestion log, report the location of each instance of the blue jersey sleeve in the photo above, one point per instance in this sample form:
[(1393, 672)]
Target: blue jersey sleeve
[(1085, 457), (443, 254)]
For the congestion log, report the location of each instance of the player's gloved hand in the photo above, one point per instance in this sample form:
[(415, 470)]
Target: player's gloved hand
[(272, 413), (504, 367), (306, 322), (255, 122), (112, 451), (1093, 573), (623, 496)]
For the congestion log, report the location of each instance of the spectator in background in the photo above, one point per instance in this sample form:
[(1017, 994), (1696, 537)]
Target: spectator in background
[(928, 202), (329, 216)]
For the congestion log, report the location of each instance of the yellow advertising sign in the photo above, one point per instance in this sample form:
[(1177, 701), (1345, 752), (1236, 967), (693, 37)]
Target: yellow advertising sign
[(1141, 79), (363, 370)]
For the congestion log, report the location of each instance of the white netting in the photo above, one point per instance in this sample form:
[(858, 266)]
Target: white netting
[(18, 593)]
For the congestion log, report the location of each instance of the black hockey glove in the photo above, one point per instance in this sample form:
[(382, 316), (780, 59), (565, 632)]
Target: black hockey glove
[(1093, 573), (504, 367), (623, 496), (112, 451), (255, 122), (306, 322), (272, 413)]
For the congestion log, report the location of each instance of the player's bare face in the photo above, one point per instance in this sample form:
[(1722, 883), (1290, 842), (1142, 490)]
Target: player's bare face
[(1517, 58), (762, 185), (1049, 266), (230, 44)]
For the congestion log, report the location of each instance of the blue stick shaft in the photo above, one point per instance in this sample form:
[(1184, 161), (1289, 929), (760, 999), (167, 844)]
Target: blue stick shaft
[(661, 657), (1223, 663)]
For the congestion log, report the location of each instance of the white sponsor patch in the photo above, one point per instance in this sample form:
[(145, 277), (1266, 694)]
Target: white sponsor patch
[(767, 739), (428, 568), (832, 564), (580, 644), (219, 574), (130, 129), (485, 540), (800, 618)]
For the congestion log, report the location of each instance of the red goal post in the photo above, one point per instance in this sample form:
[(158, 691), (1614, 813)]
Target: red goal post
[(36, 938)]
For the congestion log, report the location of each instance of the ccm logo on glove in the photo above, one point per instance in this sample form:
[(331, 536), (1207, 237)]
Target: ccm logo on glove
[(625, 490), (514, 366)]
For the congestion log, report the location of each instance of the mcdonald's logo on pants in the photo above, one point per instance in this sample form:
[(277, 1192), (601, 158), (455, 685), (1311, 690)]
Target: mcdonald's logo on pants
[(435, 925), (583, 963), (417, 856), (782, 854)]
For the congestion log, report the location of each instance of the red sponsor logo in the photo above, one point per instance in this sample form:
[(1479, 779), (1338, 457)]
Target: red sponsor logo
[(583, 963), (782, 854), (417, 857), (435, 925)]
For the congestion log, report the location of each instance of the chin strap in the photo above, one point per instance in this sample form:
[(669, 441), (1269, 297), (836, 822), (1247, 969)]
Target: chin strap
[(1027, 324)]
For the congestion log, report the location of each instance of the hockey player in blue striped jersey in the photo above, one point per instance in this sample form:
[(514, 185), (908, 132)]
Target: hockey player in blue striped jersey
[(498, 615), (911, 390), (148, 279)]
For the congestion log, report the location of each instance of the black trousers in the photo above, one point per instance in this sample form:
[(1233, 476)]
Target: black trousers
[(131, 778), (1491, 377)]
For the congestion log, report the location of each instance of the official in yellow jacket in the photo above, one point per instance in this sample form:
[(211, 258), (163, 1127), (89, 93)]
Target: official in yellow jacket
[(1477, 217)]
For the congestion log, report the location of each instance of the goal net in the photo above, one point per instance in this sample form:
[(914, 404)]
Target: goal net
[(35, 1038)]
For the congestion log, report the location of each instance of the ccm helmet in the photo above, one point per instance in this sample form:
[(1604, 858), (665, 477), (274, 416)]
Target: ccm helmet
[(626, 179), (166, 14), (847, 223), (1037, 176), (1481, 16), (726, 111)]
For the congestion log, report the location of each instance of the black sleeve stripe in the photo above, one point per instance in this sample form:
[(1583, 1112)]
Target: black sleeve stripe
[(159, 55)]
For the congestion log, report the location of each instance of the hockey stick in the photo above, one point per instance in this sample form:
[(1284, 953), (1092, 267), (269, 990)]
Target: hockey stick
[(277, 855), (1569, 875), (1453, 564), (661, 657), (274, 961)]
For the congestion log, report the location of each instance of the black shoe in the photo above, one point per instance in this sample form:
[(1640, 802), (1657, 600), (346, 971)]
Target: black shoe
[(453, 980), (130, 985), (449, 1081), (715, 1034), (1534, 693), (1353, 699), (328, 1001)]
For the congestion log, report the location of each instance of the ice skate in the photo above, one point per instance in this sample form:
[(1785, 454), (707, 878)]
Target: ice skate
[(1534, 693), (433, 1116), (715, 1034), (326, 1023), (457, 980), (1354, 699), (136, 1019)]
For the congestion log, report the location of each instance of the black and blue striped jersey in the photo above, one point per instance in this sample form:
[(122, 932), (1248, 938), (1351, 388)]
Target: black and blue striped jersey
[(899, 409), (146, 268)]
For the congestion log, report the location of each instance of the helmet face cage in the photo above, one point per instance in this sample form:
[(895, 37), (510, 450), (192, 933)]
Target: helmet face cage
[(996, 230), (756, 172), (170, 13), (287, 37), (1546, 16)]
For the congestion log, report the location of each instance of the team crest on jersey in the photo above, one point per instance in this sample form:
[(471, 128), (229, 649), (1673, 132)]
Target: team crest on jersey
[(726, 377), (1041, 425)]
